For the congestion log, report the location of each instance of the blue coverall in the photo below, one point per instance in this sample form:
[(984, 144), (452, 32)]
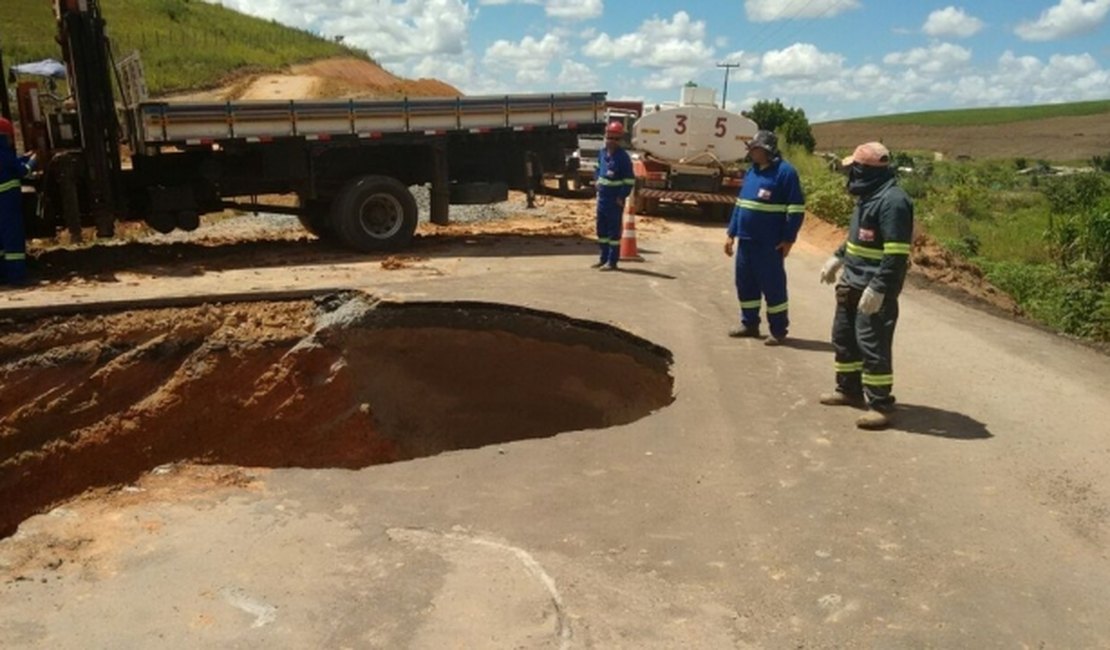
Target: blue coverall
[(615, 181), (13, 244), (768, 212)]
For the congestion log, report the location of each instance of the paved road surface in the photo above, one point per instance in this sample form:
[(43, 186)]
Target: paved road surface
[(744, 515)]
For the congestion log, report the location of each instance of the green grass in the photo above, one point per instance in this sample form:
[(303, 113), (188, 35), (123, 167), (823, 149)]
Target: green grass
[(184, 44), (989, 116)]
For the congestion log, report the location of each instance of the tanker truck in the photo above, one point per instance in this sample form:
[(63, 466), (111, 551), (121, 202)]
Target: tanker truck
[(690, 153)]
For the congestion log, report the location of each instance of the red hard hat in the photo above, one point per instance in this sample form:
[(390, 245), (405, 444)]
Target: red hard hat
[(7, 129), (614, 128)]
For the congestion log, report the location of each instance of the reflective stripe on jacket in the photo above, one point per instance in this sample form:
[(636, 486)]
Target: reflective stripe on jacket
[(771, 206), (879, 239)]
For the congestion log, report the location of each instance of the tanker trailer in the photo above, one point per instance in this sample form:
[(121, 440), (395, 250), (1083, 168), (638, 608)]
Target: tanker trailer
[(690, 153)]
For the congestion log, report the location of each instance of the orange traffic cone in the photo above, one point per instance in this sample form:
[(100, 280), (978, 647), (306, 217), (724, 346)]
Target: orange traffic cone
[(628, 236)]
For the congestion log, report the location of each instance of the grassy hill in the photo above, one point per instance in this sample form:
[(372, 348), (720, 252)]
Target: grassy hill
[(184, 44)]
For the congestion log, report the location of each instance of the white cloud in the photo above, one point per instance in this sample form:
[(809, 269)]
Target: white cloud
[(765, 11), (527, 59), (577, 76), (565, 9), (801, 60), (938, 57), (389, 31), (573, 9), (677, 43), (1069, 18), (951, 22)]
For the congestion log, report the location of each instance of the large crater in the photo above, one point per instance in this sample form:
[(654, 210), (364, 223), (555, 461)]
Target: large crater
[(339, 381)]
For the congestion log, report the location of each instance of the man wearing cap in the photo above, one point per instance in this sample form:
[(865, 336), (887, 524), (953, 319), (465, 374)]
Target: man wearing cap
[(615, 181), (875, 258), (768, 214), (13, 244)]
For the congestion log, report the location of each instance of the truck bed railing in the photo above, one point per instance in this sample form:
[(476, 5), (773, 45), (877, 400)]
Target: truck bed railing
[(191, 123)]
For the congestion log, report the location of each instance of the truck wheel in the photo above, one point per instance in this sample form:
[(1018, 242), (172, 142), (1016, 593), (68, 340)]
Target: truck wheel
[(374, 213), (315, 217)]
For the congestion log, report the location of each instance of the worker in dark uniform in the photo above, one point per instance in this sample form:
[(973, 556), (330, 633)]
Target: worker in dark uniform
[(13, 244), (875, 258), (615, 181), (768, 214)]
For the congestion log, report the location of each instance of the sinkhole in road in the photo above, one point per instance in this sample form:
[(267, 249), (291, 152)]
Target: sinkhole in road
[(339, 380)]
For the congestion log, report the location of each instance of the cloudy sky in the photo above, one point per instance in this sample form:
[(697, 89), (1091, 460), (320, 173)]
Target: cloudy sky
[(832, 58)]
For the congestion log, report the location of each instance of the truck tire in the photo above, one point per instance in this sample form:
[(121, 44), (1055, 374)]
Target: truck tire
[(374, 213), (315, 217)]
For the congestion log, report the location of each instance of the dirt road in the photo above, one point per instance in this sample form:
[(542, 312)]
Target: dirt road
[(732, 512)]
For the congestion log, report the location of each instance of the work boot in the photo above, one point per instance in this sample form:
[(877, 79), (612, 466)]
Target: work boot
[(773, 340), (744, 332), (609, 267), (597, 265), (837, 398), (873, 420)]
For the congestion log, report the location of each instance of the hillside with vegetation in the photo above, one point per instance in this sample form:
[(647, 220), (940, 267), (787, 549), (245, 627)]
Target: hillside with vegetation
[(184, 44)]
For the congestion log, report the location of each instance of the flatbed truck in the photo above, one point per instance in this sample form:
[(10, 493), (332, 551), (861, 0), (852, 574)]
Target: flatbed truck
[(349, 163)]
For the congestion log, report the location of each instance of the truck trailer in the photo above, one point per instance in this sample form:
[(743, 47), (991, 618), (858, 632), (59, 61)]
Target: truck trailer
[(348, 162)]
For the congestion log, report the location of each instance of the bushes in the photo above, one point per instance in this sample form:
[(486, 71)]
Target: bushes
[(1078, 234), (1069, 301), (826, 198)]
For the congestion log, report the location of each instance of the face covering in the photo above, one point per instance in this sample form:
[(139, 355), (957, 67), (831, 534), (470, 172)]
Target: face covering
[(864, 179)]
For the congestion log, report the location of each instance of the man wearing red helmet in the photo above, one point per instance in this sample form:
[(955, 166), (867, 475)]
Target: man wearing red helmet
[(615, 181), (13, 244)]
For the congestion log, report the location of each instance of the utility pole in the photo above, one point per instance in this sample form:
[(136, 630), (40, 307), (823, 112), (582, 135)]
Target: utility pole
[(728, 68)]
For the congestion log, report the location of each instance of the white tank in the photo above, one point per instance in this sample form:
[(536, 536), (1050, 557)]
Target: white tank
[(699, 135)]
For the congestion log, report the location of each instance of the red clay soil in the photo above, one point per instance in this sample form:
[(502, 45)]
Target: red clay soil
[(357, 78), (92, 401)]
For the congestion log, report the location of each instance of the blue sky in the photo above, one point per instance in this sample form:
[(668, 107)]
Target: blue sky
[(832, 58)]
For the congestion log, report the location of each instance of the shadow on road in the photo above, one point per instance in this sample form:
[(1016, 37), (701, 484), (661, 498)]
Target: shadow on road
[(930, 421), (653, 274), (809, 345)]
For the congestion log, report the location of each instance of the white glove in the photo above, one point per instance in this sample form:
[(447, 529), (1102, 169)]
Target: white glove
[(830, 269), (870, 301)]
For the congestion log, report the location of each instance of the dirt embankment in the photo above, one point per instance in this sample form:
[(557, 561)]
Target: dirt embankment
[(341, 78), (1054, 139)]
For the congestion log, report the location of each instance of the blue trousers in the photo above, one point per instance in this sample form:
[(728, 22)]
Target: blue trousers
[(761, 273), (609, 215), (864, 363), (13, 243)]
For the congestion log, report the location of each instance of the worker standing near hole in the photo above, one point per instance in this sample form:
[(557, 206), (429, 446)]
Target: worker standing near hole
[(766, 220), (615, 181), (875, 258), (13, 243)]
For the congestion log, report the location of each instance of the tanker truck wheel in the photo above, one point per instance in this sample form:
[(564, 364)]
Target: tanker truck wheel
[(374, 213)]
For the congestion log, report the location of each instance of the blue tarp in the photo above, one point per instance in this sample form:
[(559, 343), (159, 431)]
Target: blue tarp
[(44, 68)]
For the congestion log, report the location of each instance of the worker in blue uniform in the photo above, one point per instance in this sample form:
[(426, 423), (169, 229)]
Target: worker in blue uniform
[(614, 181), (13, 244), (768, 214), (875, 258)]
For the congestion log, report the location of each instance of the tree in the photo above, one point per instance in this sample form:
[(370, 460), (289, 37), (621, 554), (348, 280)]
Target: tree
[(791, 122)]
